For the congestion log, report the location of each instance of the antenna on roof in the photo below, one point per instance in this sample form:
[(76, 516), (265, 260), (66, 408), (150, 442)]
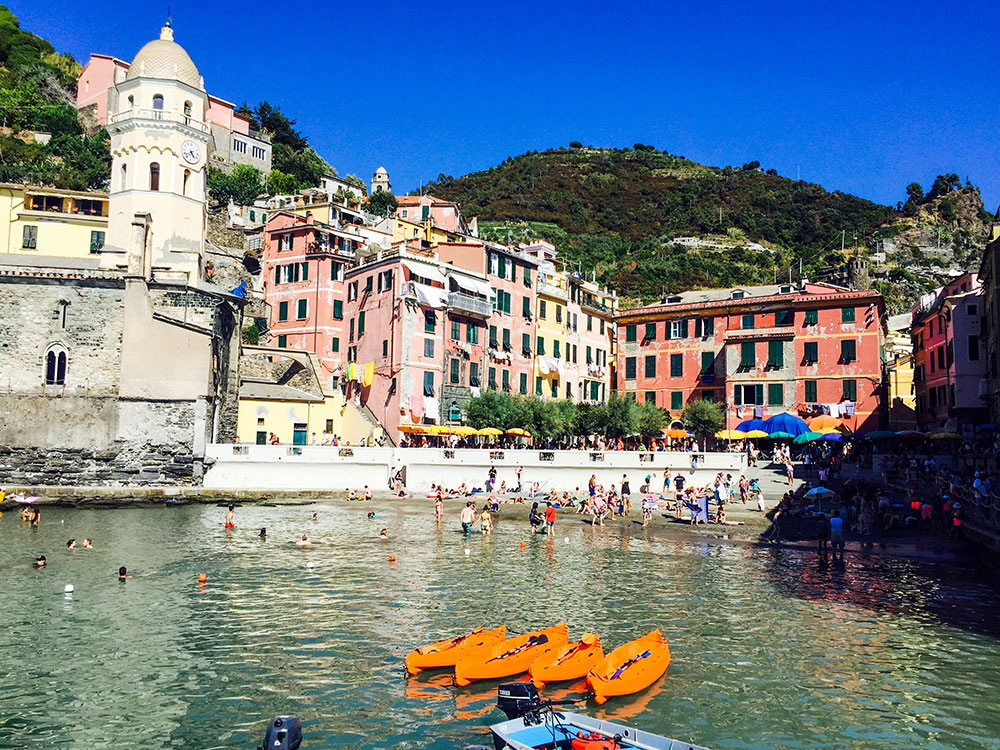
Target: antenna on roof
[(170, 18)]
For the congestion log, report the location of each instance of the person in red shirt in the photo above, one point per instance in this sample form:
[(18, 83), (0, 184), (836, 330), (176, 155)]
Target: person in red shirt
[(550, 518)]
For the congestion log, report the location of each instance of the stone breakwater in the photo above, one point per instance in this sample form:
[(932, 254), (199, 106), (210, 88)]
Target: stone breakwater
[(127, 465)]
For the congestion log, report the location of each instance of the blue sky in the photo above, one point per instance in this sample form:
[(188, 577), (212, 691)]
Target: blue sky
[(863, 97)]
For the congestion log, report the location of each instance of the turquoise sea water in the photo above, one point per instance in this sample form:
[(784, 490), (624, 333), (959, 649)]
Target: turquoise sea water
[(769, 649)]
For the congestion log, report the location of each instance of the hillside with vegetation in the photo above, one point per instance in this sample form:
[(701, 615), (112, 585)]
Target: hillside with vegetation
[(648, 222)]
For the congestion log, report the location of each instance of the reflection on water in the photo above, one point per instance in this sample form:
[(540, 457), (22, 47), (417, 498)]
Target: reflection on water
[(769, 650)]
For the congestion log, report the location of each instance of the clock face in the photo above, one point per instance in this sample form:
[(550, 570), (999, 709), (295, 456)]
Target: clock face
[(190, 152)]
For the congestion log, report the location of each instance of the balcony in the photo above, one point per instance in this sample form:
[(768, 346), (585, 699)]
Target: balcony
[(591, 304), (552, 290), (469, 305), (159, 114)]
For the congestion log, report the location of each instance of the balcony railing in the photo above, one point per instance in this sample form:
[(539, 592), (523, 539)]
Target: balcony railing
[(470, 305), (545, 287), (160, 114), (593, 305)]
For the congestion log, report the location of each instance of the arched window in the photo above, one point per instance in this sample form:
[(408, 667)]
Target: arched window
[(157, 101), (187, 178), (55, 366), (154, 176), (61, 312), (131, 102), (124, 177), (187, 111)]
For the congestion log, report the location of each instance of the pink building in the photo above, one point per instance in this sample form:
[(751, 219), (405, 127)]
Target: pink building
[(948, 361), (444, 215), (304, 264), (511, 333)]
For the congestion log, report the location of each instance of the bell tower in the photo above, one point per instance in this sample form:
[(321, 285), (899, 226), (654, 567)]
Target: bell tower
[(160, 146)]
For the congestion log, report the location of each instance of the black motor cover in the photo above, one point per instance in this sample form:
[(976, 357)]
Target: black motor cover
[(284, 733), (517, 698)]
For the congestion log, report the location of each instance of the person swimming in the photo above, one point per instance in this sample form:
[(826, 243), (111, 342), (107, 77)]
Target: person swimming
[(263, 533), (71, 544), (315, 517), (303, 542), (229, 517), (383, 534), (87, 544), (40, 561), (123, 573), (372, 515)]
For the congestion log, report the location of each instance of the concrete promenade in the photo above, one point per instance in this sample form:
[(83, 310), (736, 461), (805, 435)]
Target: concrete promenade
[(331, 468)]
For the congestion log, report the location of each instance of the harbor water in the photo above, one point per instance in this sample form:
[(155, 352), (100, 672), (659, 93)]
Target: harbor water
[(770, 648)]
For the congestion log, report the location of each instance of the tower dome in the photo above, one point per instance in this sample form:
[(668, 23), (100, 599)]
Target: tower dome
[(165, 58)]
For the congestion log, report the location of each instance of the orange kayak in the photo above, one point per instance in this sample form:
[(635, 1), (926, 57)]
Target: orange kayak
[(630, 668), (569, 662), (510, 657), (446, 653)]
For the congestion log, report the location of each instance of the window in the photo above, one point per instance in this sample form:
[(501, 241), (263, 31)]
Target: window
[(29, 237), (157, 101), (369, 283), (429, 387), (523, 382), (972, 310), (676, 400), (602, 326), (493, 337), (676, 329), (471, 333), (540, 347), (240, 147), (258, 153), (456, 330), (739, 295), (187, 179), (502, 302), (526, 307), (775, 394), (505, 380), (430, 321), (590, 356), (350, 336), (506, 339), (428, 347), (707, 363), (630, 368), (847, 315), (748, 355), (748, 395), (336, 271), (848, 351), (555, 348), (454, 372), (973, 348), (810, 353), (154, 176), (338, 309), (282, 342), (783, 318), (302, 311), (123, 177), (542, 308), (558, 313), (812, 317), (491, 378), (282, 312), (850, 391), (775, 354), (940, 357), (748, 321), (96, 241), (811, 392), (526, 344), (527, 276), (55, 366), (335, 345), (474, 374), (650, 331), (651, 366), (676, 365), (704, 327), (361, 323), (630, 333)]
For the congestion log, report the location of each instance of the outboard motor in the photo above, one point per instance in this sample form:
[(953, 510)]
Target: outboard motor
[(284, 733), (517, 699)]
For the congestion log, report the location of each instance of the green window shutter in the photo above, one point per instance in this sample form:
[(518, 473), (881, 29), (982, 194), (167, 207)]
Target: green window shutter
[(336, 345), (630, 333), (526, 306), (810, 352), (650, 397), (775, 354), (555, 348), (738, 395), (708, 327), (301, 313), (277, 275), (282, 311), (848, 351), (847, 315), (650, 331), (630, 368), (684, 328), (506, 339), (783, 318), (651, 366), (338, 309), (282, 341), (526, 344), (697, 328), (811, 392), (748, 355), (361, 322), (775, 394), (524, 376), (676, 365), (707, 362), (305, 272), (850, 392), (812, 317), (540, 347), (456, 330), (538, 384), (748, 321), (677, 400), (758, 394)]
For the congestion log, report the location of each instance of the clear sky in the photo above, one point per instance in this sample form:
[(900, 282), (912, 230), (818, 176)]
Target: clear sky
[(863, 97)]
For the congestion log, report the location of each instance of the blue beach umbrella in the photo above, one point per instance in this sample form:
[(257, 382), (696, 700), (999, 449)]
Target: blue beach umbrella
[(833, 437), (786, 423), (749, 425)]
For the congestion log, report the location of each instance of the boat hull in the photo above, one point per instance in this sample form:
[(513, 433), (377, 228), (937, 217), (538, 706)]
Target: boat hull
[(616, 676), (569, 662), (516, 734), (448, 652), (510, 657)]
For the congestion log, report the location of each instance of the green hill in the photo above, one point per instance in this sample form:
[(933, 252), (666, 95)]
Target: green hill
[(619, 213)]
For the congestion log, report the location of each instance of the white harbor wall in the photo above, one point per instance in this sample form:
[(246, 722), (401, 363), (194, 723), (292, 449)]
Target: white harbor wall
[(313, 467)]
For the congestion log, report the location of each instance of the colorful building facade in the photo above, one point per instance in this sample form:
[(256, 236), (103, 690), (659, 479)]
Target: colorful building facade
[(47, 221), (807, 349)]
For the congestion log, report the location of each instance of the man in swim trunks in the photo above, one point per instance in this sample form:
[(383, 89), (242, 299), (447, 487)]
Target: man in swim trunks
[(229, 517), (467, 516), (837, 534)]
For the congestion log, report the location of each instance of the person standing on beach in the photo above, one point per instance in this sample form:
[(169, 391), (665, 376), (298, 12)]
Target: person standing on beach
[(627, 495), (438, 507), (519, 470), (229, 517), (467, 516), (550, 518)]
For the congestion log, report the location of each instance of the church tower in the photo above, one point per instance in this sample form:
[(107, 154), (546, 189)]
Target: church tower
[(160, 145), (380, 182)]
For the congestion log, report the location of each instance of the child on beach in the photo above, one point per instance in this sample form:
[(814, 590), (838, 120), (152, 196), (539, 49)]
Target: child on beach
[(647, 511), (550, 518)]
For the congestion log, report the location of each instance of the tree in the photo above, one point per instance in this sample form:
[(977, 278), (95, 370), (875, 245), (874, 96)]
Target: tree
[(241, 186), (651, 420), (914, 193), (492, 409), (382, 203), (575, 144), (944, 184), (621, 416), (306, 165), (703, 418), (281, 183)]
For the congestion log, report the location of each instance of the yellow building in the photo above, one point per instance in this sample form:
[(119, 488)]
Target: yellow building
[(899, 373), (46, 221), (282, 396), (554, 356)]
